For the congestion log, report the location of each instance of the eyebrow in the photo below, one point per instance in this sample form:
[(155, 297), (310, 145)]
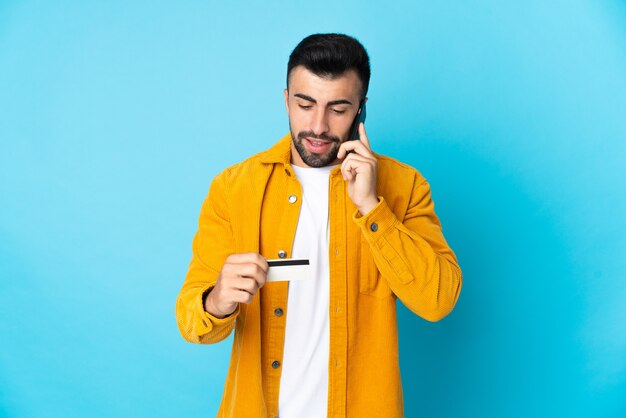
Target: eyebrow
[(331, 103)]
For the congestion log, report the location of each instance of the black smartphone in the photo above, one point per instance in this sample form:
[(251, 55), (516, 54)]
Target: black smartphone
[(360, 117)]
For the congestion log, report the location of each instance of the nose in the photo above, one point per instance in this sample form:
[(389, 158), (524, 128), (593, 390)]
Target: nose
[(319, 124)]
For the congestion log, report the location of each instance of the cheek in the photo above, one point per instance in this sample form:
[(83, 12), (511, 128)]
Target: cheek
[(297, 118), (341, 125)]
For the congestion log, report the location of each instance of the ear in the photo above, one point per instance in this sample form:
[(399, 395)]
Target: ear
[(287, 100)]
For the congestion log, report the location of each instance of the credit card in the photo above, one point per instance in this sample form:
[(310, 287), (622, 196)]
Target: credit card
[(287, 270)]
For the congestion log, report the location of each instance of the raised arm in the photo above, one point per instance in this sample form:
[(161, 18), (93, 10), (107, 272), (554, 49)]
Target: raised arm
[(412, 254)]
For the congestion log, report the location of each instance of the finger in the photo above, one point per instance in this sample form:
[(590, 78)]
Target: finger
[(346, 171), (248, 270), (356, 146), (260, 280), (363, 136), (246, 284), (242, 296), (347, 147), (355, 160), (243, 258), (252, 271), (232, 272), (350, 166), (361, 158), (354, 164)]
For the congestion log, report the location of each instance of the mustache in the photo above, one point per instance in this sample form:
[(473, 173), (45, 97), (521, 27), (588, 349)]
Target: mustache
[(325, 137)]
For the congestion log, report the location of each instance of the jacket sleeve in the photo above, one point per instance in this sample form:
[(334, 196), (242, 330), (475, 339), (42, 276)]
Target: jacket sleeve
[(212, 243), (412, 254)]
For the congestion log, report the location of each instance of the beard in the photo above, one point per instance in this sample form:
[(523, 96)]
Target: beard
[(313, 159)]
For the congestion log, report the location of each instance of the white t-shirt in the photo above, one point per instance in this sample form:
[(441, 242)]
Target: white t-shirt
[(304, 378)]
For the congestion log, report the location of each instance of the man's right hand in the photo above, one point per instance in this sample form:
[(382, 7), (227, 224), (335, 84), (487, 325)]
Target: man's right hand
[(241, 277)]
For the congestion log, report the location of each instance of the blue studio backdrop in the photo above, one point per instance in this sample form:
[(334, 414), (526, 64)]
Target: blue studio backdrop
[(114, 118)]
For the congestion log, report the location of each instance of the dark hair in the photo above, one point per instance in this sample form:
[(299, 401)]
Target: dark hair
[(330, 55)]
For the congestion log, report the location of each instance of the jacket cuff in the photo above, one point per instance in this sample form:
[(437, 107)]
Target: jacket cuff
[(377, 222), (209, 322)]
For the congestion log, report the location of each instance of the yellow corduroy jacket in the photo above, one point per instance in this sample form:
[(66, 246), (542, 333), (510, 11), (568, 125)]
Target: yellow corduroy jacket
[(403, 256)]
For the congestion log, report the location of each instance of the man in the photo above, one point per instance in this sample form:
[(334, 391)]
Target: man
[(325, 345)]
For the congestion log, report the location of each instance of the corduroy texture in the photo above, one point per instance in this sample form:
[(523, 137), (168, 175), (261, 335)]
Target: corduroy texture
[(405, 257)]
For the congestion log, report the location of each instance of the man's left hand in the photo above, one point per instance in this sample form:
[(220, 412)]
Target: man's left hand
[(359, 169)]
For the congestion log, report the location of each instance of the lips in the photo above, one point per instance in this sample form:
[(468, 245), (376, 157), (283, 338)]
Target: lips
[(317, 145)]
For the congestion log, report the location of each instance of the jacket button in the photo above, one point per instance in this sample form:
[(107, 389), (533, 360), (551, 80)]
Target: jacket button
[(282, 254), (374, 227), (293, 198), (278, 312), (276, 364)]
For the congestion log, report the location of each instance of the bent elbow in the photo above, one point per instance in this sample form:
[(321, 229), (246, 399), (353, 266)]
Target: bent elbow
[(186, 332), (185, 322), (446, 299), (436, 315), (187, 335)]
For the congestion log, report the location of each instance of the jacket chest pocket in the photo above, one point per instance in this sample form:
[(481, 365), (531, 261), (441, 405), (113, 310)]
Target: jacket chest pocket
[(370, 280)]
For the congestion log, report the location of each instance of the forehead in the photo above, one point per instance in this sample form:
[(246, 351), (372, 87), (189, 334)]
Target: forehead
[(345, 86)]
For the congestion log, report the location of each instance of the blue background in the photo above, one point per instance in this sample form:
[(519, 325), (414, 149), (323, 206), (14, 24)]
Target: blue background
[(115, 117)]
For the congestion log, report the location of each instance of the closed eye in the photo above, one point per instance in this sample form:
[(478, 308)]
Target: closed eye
[(305, 107)]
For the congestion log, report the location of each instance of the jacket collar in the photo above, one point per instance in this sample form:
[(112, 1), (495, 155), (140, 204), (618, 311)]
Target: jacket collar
[(279, 153)]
